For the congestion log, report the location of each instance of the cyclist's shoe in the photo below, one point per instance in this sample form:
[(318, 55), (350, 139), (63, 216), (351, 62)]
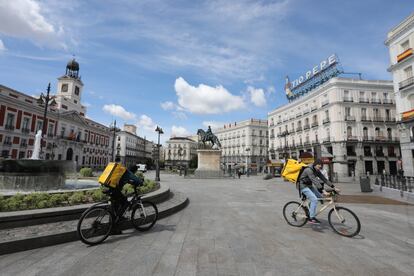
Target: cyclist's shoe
[(314, 221), (116, 231)]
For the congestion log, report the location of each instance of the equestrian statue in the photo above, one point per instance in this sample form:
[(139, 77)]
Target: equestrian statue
[(208, 136)]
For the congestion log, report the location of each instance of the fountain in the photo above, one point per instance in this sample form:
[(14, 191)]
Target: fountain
[(34, 174)]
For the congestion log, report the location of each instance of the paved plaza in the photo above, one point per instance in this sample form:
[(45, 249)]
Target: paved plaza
[(236, 227)]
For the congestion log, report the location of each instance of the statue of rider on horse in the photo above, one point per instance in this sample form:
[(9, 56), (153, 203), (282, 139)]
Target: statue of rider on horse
[(208, 136)]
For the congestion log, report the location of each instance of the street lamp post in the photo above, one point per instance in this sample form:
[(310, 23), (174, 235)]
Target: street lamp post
[(247, 155), (157, 173), (46, 100), (284, 135), (114, 129)]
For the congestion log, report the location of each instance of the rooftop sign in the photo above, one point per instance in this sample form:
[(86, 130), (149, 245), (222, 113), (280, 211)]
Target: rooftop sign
[(325, 70)]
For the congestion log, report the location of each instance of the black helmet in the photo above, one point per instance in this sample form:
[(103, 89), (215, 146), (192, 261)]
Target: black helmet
[(133, 168)]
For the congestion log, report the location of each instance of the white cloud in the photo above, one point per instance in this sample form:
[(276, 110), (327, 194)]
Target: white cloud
[(24, 18), (213, 124), (179, 131), (168, 105), (205, 99), (118, 111), (271, 89), (146, 122), (2, 47), (257, 96)]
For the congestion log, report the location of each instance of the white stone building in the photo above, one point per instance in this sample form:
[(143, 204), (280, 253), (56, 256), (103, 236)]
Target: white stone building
[(400, 41), (132, 149), (244, 144), (179, 151), (351, 121), (68, 136)]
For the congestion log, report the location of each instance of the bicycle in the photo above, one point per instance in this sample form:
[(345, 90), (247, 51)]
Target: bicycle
[(97, 222), (342, 220)]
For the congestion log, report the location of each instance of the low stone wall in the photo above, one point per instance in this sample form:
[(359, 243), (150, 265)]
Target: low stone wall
[(31, 181)]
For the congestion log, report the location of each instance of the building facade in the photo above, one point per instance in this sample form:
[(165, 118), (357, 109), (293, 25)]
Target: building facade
[(68, 136), (400, 41), (244, 144), (349, 123), (132, 149), (179, 151)]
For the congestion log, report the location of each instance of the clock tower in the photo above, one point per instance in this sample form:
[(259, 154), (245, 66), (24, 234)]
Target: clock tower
[(69, 89)]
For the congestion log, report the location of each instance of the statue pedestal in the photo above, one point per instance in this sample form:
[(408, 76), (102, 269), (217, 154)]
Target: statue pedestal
[(208, 164)]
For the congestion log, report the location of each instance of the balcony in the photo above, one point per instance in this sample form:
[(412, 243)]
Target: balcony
[(405, 54), (326, 120), (387, 101), (272, 136), (378, 119), (379, 153), (315, 124), (404, 84), (306, 111), (23, 145), (50, 135), (351, 153), (367, 138), (363, 100), (313, 108), (348, 99), (365, 118), (306, 126), (351, 138), (368, 153), (25, 130), (349, 118), (326, 139), (9, 127), (307, 143), (299, 128), (298, 115), (390, 120), (325, 103), (392, 154)]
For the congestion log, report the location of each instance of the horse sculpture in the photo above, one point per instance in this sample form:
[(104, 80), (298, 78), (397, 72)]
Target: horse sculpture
[(208, 137)]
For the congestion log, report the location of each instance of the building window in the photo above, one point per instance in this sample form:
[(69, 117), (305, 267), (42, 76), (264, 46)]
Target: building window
[(349, 131), (39, 126), (76, 90), (10, 121), (405, 45), (64, 87), (408, 72), (26, 122)]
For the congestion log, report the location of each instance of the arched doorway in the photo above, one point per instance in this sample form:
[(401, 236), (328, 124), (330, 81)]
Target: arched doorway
[(69, 154)]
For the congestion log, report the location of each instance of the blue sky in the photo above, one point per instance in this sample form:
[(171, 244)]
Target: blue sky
[(186, 64)]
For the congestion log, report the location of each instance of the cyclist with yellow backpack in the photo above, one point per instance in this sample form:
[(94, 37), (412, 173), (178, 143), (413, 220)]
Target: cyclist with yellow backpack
[(310, 181)]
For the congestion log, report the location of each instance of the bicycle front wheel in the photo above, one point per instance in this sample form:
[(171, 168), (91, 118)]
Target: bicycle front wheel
[(295, 214), (144, 215), (95, 225), (344, 222)]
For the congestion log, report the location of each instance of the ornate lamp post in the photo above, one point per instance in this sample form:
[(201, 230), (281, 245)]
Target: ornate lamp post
[(247, 156), (45, 100), (114, 129), (157, 173)]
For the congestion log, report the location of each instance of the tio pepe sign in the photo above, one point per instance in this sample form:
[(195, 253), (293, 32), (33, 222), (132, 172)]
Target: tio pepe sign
[(315, 70)]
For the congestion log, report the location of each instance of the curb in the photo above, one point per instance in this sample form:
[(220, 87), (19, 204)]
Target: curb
[(43, 241), (41, 216)]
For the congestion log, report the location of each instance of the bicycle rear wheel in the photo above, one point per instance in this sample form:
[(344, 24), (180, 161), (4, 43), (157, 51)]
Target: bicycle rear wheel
[(95, 225), (295, 214), (144, 216), (344, 222)]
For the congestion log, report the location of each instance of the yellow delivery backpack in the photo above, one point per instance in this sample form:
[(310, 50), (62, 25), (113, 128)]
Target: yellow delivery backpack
[(112, 174), (292, 170)]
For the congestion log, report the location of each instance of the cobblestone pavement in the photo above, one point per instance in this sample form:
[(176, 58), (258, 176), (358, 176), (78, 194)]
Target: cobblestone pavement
[(236, 227)]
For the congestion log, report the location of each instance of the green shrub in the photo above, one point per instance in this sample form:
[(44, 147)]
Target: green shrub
[(86, 172), (98, 195), (77, 197)]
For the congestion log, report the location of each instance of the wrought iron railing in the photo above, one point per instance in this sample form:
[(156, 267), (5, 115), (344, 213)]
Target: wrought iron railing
[(398, 182), (406, 83)]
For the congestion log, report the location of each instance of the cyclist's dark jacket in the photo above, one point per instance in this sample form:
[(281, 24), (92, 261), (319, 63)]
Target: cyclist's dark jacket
[(311, 177), (130, 178)]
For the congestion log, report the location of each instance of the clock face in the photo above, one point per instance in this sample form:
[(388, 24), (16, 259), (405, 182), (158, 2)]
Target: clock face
[(64, 87)]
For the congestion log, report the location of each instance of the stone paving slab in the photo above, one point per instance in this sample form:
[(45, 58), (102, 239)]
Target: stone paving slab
[(236, 227)]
